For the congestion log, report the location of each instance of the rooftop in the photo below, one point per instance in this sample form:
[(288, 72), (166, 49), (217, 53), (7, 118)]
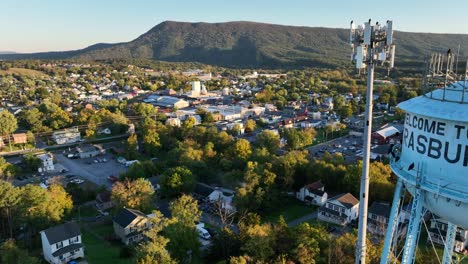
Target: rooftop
[(62, 232)]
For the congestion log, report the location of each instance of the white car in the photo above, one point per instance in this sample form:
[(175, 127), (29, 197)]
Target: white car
[(77, 181)]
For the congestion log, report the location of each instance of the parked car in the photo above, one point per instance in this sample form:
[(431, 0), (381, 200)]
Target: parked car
[(202, 232), (113, 178)]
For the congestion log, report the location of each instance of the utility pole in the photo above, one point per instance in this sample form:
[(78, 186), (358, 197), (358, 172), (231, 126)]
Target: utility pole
[(371, 44)]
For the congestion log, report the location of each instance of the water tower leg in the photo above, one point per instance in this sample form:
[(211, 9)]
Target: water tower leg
[(392, 223), (449, 242), (413, 228)]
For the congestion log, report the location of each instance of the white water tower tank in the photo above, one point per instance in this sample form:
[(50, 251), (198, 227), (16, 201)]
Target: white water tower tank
[(435, 146)]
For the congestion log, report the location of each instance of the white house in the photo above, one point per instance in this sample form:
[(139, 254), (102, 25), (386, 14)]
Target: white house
[(438, 233), (61, 244), (313, 193), (224, 198), (341, 209), (47, 162)]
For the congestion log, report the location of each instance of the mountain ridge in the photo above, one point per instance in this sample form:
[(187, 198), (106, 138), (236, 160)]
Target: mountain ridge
[(252, 44)]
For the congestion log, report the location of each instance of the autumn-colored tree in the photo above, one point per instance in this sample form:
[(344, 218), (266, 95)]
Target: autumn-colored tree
[(137, 194)]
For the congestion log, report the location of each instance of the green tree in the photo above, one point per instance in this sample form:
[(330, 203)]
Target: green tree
[(151, 141), (137, 194), (268, 139), (177, 180), (32, 162), (185, 210), (8, 124), (153, 249), (183, 238), (9, 198), (131, 147), (10, 253), (7, 170)]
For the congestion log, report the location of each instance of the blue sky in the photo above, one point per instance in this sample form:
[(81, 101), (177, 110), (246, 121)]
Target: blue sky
[(46, 25)]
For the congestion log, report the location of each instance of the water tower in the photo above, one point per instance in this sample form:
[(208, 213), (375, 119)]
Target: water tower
[(431, 161)]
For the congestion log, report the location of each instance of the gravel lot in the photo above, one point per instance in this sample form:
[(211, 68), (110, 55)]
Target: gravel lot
[(89, 170)]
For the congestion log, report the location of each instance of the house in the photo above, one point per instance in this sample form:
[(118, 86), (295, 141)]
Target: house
[(130, 224), (438, 233), (61, 244), (378, 217), (67, 136), (224, 198), (88, 151), (47, 162), (20, 138), (385, 136), (313, 193), (103, 200), (341, 209)]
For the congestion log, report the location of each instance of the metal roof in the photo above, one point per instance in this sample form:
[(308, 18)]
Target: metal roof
[(448, 104)]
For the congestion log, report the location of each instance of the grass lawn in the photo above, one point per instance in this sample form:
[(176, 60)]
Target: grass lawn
[(98, 251), (290, 210)]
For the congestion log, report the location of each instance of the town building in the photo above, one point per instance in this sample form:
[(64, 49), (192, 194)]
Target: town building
[(313, 194), (47, 162), (385, 135), (88, 151), (62, 243), (341, 209), (438, 233), (67, 136), (130, 224), (20, 138)]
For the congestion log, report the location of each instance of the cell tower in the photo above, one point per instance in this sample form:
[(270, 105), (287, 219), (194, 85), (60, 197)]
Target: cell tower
[(371, 44), (432, 160)]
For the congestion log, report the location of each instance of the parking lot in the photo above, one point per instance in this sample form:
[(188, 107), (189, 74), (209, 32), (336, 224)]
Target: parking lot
[(95, 169), (349, 146)]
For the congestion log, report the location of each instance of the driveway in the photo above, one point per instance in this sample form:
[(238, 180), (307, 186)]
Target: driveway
[(303, 219)]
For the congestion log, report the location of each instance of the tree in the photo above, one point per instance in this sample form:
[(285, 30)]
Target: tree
[(185, 210), (250, 126), (153, 249), (131, 147), (8, 123), (33, 163), (137, 194), (151, 141), (9, 198), (269, 139), (177, 180), (183, 238), (10, 253), (7, 170), (258, 242), (241, 149)]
